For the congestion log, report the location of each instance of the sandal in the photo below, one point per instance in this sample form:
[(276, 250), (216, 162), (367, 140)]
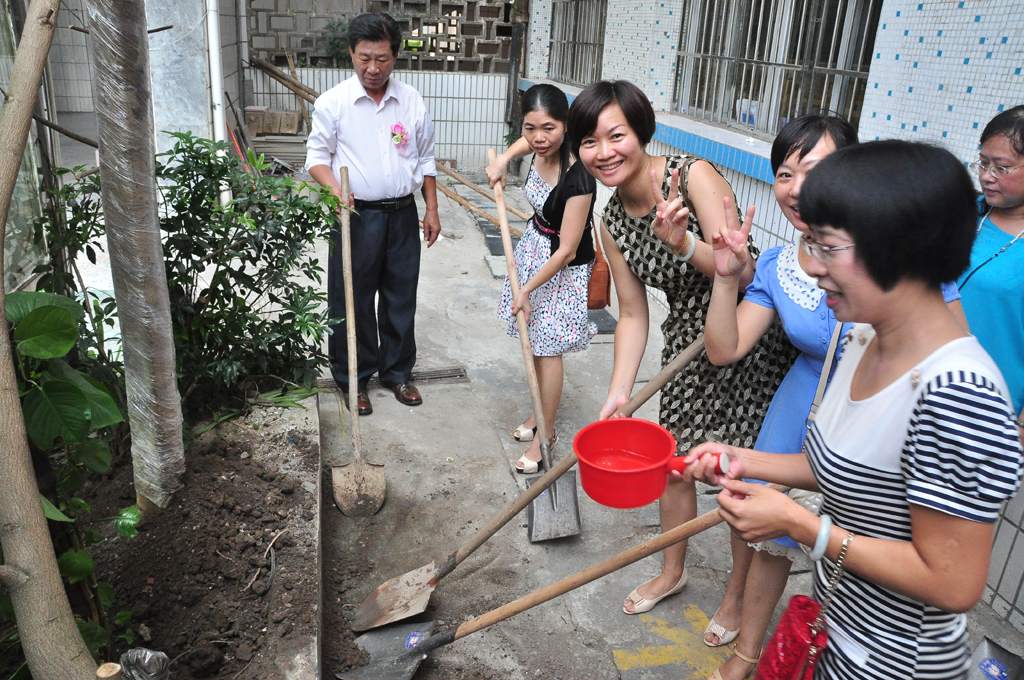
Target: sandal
[(717, 675), (642, 604), (525, 466), (725, 636), (524, 434)]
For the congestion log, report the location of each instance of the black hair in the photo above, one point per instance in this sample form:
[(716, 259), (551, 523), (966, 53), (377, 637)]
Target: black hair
[(552, 101), (589, 104), (800, 136), (374, 27), (909, 207), (1010, 124)]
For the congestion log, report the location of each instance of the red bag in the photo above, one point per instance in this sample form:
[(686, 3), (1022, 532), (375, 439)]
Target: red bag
[(796, 644)]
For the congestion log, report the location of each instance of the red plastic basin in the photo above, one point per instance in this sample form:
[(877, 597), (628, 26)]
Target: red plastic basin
[(625, 462)]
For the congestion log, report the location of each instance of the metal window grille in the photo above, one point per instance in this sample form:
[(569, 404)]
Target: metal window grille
[(577, 41), (756, 64)]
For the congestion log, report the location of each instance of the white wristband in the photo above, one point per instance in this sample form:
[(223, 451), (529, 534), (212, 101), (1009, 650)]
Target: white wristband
[(689, 251), (821, 543)]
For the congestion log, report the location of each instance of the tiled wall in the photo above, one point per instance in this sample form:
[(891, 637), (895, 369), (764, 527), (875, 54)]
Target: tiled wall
[(70, 62), (640, 41), (942, 69), (538, 43)]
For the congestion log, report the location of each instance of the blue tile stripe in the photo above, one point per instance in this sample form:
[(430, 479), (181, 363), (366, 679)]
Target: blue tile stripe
[(740, 160)]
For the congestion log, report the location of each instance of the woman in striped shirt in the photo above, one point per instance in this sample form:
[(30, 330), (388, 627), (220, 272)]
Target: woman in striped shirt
[(914, 447)]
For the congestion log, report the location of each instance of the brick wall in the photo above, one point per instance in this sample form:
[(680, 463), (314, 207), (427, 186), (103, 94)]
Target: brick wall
[(458, 35)]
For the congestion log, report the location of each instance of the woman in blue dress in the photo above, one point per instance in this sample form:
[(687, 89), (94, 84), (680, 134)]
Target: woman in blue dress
[(781, 289)]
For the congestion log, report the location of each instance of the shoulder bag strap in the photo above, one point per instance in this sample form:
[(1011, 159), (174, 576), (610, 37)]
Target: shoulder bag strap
[(826, 370)]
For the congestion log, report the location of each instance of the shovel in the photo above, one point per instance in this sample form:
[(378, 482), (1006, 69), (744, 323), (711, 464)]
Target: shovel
[(555, 513), (408, 595), (396, 653), (359, 487)]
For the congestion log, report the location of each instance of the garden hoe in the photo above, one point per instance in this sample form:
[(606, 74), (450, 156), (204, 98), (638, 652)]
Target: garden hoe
[(396, 652), (555, 513), (359, 486), (408, 595)]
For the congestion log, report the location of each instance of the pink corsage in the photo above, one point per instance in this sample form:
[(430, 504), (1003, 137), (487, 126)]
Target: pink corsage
[(400, 138)]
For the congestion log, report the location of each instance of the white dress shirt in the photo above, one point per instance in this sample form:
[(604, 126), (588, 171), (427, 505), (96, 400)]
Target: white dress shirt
[(350, 129)]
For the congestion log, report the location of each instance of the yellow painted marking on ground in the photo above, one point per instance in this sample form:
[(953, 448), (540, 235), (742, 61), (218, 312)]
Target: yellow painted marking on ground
[(688, 647)]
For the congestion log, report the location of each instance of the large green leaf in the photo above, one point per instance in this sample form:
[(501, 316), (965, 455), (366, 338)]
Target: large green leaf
[(93, 454), (46, 332), (75, 565), (20, 303), (56, 409), (51, 511), (127, 521), (107, 594), (93, 635), (102, 408)]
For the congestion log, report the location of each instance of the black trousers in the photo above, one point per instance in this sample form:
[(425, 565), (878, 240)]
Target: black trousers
[(385, 266)]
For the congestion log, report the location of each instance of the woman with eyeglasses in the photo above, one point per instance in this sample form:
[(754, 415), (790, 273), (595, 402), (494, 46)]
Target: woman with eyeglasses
[(610, 126), (993, 286), (913, 448), (782, 289)]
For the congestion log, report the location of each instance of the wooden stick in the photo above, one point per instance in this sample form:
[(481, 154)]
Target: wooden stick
[(109, 671), (302, 102), (456, 176), (66, 132), (472, 208), (283, 77)]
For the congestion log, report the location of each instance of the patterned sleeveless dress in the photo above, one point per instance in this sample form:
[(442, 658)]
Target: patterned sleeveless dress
[(704, 402)]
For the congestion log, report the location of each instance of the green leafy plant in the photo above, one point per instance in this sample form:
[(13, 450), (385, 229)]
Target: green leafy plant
[(336, 42)]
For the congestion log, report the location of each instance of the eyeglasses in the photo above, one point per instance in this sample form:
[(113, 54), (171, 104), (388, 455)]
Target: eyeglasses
[(997, 171), (819, 252)]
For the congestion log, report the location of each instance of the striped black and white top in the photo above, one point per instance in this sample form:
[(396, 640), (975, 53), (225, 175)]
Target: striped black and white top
[(941, 437)]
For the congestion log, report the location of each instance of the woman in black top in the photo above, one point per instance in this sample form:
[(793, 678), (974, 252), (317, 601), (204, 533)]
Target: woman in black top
[(554, 257)]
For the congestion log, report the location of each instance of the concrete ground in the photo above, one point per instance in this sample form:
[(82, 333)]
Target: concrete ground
[(448, 465)]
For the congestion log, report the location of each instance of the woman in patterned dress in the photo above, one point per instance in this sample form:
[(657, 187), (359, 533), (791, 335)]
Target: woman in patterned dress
[(554, 257), (914, 447), (610, 125)]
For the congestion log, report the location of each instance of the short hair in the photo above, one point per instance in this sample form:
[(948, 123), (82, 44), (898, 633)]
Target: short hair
[(909, 207), (801, 135), (375, 27), (1010, 124), (595, 98)]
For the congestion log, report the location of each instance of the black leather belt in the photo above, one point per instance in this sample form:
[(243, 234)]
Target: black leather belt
[(390, 205)]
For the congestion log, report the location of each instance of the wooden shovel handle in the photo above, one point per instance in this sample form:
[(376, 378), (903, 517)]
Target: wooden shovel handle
[(680, 533), (350, 317), (670, 370), (524, 334)]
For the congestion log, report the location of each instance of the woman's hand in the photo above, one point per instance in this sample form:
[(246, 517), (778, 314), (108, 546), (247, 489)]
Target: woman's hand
[(702, 464), (758, 513), (730, 243), (522, 302), (672, 216), (612, 404), (497, 171)]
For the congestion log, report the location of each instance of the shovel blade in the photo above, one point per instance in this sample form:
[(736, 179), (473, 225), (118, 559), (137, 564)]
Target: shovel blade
[(548, 518), (359, 488), (389, 649), (401, 597)]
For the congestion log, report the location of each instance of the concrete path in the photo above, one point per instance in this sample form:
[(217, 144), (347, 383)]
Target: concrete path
[(448, 465)]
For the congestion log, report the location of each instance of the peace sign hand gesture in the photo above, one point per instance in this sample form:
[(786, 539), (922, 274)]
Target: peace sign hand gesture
[(672, 216), (730, 244)]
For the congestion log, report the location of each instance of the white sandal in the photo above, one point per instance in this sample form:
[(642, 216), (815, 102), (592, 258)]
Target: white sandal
[(642, 604), (525, 466), (725, 636), (524, 434)]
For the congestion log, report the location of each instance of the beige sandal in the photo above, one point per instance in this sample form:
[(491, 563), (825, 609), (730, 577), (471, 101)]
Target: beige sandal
[(717, 675), (642, 604), (725, 636)]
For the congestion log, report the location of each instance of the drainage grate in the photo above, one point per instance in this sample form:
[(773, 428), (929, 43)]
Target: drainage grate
[(430, 376)]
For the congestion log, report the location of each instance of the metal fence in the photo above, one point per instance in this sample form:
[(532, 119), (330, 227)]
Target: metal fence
[(755, 64), (577, 41), (468, 109)]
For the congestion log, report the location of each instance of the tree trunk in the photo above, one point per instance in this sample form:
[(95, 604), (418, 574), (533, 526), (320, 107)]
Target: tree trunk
[(49, 636), (124, 116)]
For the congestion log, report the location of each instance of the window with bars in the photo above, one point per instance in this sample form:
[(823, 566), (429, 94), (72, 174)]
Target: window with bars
[(577, 41), (756, 64)]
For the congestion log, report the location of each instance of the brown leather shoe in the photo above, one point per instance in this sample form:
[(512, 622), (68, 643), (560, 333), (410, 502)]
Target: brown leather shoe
[(407, 393), (362, 402)]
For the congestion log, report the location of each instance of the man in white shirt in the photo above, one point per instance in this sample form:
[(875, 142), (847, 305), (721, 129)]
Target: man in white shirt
[(380, 129)]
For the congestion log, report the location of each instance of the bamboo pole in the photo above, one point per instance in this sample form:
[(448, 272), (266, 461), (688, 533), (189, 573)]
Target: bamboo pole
[(302, 102), (473, 209), (456, 176), (277, 73)]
